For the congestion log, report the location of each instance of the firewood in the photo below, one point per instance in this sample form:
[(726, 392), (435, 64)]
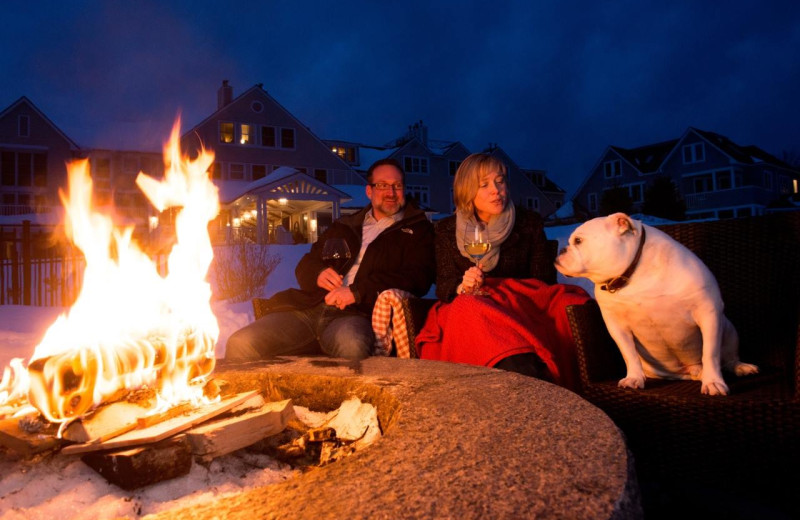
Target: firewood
[(132, 468), (28, 441), (217, 438), (106, 422), (164, 429), (150, 420)]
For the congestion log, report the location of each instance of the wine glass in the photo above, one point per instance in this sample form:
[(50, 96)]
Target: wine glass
[(336, 253), (476, 244)]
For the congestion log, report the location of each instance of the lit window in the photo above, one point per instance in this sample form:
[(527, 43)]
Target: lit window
[(246, 134), (226, 132)]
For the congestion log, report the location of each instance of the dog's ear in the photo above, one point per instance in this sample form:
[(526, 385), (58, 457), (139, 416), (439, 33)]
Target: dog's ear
[(622, 223)]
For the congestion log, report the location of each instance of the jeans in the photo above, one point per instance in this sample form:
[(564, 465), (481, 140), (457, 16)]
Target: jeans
[(320, 329)]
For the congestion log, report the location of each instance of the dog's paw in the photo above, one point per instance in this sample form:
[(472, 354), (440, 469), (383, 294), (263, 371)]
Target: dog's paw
[(745, 369), (716, 387), (631, 382)]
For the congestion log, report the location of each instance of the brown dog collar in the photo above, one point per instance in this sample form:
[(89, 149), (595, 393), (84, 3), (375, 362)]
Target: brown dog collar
[(613, 285)]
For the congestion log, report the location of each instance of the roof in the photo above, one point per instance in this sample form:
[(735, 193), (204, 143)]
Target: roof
[(648, 158), (749, 154), (282, 182), (25, 100)]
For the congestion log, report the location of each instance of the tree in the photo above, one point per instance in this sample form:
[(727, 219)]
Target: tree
[(661, 199), (614, 200)]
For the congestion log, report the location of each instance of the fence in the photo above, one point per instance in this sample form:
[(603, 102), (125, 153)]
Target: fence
[(39, 268)]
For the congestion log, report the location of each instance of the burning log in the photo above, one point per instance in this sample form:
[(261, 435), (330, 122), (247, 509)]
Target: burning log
[(67, 385)]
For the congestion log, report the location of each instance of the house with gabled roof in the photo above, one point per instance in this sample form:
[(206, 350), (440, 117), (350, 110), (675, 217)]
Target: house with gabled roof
[(254, 137), (33, 151), (430, 166), (716, 177)]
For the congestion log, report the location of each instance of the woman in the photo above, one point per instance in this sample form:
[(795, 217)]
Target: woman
[(521, 324)]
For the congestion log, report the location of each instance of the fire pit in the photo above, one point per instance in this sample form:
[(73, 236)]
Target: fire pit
[(459, 441)]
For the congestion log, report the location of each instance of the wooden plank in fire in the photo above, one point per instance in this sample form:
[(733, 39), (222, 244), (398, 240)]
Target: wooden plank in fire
[(28, 440), (164, 429), (216, 438)]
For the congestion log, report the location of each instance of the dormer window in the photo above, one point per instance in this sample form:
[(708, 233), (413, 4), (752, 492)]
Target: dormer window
[(694, 153)]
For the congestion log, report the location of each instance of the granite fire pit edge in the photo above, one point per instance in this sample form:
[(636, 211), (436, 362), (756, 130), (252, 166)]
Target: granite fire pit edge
[(459, 442)]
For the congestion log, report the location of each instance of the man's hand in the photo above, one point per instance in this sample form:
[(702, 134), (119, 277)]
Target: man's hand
[(340, 297), (329, 279)]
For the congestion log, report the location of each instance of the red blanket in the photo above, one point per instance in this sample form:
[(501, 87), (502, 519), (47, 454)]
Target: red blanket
[(518, 316)]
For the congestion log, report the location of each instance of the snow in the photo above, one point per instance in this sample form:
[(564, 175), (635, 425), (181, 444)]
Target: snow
[(63, 487)]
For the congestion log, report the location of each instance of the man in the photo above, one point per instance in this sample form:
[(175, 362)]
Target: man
[(392, 245)]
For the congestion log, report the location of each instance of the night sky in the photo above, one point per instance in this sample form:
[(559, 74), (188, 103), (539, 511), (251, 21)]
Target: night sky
[(553, 83)]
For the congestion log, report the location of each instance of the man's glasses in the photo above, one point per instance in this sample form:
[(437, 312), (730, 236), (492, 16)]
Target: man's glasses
[(384, 186)]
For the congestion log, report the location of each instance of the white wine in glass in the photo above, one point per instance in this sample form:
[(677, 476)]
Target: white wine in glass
[(476, 244)]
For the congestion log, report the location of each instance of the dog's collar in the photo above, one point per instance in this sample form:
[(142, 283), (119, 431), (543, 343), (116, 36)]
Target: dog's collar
[(613, 285)]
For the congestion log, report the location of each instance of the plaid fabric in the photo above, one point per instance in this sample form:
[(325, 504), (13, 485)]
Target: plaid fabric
[(391, 319)]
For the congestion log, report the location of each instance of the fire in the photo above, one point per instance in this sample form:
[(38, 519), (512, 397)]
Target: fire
[(130, 326)]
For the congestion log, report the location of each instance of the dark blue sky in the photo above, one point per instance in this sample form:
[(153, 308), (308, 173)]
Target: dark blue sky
[(553, 83)]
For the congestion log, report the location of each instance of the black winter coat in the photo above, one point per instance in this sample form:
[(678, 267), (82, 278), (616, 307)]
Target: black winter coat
[(524, 254), (401, 257)]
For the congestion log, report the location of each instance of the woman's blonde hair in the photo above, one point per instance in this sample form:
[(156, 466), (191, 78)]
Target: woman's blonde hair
[(468, 179)]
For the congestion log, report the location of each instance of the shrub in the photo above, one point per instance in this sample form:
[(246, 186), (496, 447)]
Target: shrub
[(240, 271)]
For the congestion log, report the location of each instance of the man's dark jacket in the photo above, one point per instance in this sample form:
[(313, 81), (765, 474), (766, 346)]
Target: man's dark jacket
[(401, 257)]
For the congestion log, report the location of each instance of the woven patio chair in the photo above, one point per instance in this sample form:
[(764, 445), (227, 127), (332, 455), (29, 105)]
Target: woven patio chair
[(743, 443)]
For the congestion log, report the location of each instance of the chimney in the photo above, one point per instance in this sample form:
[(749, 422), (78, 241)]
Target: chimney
[(224, 94)]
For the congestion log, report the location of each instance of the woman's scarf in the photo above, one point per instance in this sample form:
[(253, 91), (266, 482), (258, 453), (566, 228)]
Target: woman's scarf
[(499, 227)]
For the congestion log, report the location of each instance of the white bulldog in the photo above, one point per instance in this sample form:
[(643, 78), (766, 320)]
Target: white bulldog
[(660, 302)]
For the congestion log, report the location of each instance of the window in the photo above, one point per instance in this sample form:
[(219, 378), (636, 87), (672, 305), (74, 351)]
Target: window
[(216, 171), (246, 134), (593, 202), (226, 132), (724, 180), (532, 203), (24, 126), (415, 165), (268, 136), (321, 175), (259, 171), (702, 183), (453, 166), (8, 168), (768, 180), (347, 153), (287, 137), (39, 170), (237, 171), (612, 169), (636, 193), (694, 153), (420, 193), (24, 169)]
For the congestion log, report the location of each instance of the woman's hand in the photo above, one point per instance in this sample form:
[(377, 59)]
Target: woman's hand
[(472, 280)]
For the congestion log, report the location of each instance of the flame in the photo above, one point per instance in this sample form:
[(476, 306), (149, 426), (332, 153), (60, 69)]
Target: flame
[(130, 326)]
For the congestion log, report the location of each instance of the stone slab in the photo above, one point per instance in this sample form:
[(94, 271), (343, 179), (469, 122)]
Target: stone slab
[(459, 442)]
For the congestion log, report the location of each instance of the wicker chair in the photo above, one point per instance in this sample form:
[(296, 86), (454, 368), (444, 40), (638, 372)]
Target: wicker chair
[(743, 443)]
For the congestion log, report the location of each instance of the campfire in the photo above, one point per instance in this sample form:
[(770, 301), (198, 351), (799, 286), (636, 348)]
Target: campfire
[(130, 362), (130, 327)]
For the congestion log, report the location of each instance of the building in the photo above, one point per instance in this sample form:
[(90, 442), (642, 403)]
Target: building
[(33, 151), (430, 166), (274, 175), (716, 177)]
